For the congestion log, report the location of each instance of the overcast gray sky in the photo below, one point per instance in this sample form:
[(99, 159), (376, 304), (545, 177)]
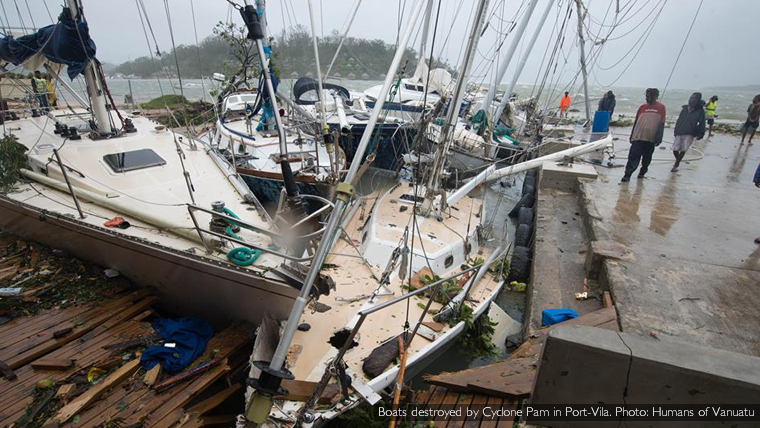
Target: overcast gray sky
[(721, 50)]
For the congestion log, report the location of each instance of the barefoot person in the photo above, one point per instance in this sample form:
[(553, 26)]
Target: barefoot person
[(690, 125), (710, 108), (753, 120), (646, 135)]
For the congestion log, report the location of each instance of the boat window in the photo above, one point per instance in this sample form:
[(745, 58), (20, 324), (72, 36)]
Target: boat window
[(248, 98), (134, 160), (414, 87), (411, 198), (448, 262)]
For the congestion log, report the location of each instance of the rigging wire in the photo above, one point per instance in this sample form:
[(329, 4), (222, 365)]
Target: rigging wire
[(48, 11), (7, 21), (34, 26), (197, 49), (150, 51), (416, 174), (21, 18)]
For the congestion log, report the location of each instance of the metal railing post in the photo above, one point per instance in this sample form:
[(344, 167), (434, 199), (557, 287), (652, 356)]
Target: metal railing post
[(68, 183)]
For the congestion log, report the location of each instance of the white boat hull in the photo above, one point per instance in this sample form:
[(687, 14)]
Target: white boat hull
[(188, 283)]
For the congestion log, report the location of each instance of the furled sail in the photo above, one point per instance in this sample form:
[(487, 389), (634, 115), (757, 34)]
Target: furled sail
[(66, 43)]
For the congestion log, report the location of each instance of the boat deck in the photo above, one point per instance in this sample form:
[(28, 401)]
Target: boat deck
[(159, 192)]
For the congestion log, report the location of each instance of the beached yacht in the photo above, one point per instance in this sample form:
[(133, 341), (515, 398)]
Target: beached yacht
[(244, 138), (347, 114), (129, 194)]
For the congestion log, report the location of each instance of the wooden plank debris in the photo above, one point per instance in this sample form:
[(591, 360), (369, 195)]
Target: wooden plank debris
[(71, 409), (151, 377), (52, 364)]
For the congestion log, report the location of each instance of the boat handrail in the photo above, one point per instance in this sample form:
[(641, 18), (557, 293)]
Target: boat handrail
[(191, 208), (363, 314)]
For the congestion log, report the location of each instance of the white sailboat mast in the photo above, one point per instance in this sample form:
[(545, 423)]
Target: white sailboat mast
[(582, 46), (94, 85), (522, 62), (261, 402), (421, 69), (452, 114), (508, 58)]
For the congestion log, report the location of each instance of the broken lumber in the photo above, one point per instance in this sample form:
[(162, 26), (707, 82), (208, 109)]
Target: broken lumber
[(187, 374), (210, 403), (71, 409), (52, 364), (151, 377), (7, 371)]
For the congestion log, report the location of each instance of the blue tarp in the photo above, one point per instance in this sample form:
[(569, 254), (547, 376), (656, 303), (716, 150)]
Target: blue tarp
[(189, 336), (67, 42), (554, 316)]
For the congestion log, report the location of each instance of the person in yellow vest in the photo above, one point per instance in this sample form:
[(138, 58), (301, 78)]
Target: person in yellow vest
[(39, 86), (564, 104), (50, 87), (710, 113)]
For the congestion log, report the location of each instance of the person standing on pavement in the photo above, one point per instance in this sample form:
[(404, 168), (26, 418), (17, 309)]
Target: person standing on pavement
[(757, 184), (564, 104), (607, 103), (690, 125), (646, 135), (753, 120), (710, 108)]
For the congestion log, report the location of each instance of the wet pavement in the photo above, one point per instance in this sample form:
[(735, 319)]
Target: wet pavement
[(696, 270)]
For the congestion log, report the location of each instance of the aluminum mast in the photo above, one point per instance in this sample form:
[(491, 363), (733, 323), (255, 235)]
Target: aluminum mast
[(271, 377)]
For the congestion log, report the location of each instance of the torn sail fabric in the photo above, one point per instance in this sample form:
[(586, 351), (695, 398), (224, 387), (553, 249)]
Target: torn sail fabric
[(68, 43), (185, 339)]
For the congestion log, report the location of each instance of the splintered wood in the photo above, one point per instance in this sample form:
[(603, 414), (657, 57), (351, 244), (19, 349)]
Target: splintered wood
[(93, 336)]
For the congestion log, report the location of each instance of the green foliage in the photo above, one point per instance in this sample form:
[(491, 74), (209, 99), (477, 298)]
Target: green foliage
[(293, 52), (500, 267), (171, 101), (362, 416), (12, 160), (477, 333), (445, 292)]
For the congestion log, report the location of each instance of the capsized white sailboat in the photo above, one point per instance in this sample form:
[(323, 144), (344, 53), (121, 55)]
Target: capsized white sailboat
[(182, 221)]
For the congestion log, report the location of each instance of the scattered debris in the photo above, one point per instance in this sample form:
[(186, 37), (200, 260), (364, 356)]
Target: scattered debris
[(111, 273), (581, 296), (7, 292)]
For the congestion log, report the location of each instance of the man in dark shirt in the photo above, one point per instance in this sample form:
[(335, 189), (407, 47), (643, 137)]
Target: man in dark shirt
[(646, 135), (753, 120), (607, 103)]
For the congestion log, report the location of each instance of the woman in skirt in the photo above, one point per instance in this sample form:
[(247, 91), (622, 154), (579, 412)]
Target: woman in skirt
[(690, 125)]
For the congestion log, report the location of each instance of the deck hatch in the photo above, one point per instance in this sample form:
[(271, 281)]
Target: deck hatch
[(133, 160)]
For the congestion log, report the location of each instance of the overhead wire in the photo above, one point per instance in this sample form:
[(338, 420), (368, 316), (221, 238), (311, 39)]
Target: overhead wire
[(686, 39)]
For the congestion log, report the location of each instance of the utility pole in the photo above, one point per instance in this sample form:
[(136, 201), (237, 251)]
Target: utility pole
[(582, 43)]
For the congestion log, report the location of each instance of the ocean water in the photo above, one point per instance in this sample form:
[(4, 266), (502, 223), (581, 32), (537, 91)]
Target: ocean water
[(732, 106)]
